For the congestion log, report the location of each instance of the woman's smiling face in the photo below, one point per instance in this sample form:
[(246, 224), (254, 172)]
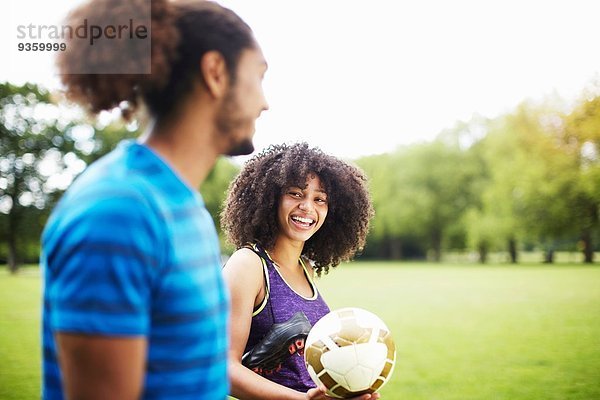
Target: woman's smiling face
[(301, 212)]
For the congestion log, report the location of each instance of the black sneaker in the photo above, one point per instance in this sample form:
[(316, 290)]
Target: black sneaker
[(282, 340)]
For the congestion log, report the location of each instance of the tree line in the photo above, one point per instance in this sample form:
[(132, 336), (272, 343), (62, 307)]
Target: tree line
[(527, 179)]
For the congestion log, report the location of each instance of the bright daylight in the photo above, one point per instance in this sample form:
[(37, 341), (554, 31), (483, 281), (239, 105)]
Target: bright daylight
[(300, 200)]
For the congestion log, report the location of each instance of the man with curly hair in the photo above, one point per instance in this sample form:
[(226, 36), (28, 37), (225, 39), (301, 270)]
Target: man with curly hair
[(292, 212), (135, 304)]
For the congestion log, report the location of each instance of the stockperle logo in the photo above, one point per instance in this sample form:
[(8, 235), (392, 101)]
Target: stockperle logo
[(91, 32)]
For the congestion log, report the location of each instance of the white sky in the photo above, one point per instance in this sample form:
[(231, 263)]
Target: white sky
[(359, 78)]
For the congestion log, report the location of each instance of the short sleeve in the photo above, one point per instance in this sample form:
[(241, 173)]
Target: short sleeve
[(102, 257)]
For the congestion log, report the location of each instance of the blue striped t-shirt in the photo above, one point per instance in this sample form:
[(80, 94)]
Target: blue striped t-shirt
[(131, 251)]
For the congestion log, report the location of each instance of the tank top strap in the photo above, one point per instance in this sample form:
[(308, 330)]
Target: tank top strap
[(267, 265), (262, 253)]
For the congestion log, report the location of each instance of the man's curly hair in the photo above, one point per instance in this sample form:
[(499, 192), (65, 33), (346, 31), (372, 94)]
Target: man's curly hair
[(250, 211), (181, 33)]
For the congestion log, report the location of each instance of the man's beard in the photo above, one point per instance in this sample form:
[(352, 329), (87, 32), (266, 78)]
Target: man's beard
[(229, 121), (241, 149)]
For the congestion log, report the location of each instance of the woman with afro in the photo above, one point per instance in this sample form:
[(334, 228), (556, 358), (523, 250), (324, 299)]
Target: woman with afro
[(292, 212)]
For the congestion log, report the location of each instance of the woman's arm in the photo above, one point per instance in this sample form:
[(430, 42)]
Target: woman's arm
[(244, 276)]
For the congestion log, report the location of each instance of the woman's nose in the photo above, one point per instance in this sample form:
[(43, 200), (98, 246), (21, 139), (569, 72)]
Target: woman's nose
[(305, 205)]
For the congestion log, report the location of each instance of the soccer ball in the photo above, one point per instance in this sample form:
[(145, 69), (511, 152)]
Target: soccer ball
[(351, 352)]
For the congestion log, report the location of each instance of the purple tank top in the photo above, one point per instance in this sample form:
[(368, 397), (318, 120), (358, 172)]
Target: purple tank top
[(282, 303)]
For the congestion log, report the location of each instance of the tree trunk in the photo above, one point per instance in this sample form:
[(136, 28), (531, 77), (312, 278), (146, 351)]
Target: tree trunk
[(13, 223), (436, 243), (483, 252), (549, 256), (395, 248), (13, 264), (512, 250), (588, 247)]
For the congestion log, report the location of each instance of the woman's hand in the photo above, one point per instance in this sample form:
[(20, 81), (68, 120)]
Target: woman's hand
[(319, 394)]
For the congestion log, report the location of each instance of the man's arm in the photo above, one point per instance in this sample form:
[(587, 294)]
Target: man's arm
[(99, 367)]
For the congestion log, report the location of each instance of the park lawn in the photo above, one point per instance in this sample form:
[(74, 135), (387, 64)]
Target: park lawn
[(20, 302), (462, 332), (471, 332)]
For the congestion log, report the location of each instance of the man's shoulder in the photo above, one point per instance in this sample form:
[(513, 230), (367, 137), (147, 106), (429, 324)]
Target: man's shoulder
[(104, 199), (112, 180)]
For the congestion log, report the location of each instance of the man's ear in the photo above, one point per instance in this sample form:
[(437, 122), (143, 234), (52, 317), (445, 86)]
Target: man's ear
[(215, 74)]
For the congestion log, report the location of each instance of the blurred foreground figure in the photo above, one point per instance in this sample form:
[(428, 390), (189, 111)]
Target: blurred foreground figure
[(134, 301)]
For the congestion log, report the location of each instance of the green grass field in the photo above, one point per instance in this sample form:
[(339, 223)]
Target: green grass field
[(462, 332), (20, 335)]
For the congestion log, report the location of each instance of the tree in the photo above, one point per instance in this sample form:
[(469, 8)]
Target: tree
[(444, 175), (392, 223), (420, 191), (214, 191), (582, 133), (33, 150), (493, 222), (547, 177), (542, 178), (44, 145)]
